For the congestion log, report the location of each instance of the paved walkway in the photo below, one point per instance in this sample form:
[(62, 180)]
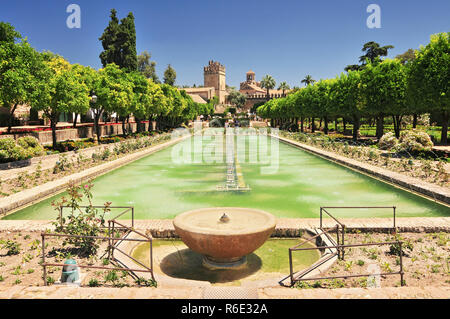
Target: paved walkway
[(286, 227), (62, 292)]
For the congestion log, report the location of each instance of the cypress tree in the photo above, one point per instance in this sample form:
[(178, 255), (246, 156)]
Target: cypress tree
[(170, 75), (109, 41), (119, 42), (127, 44)]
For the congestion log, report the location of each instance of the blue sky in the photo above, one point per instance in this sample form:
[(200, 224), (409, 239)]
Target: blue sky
[(286, 39)]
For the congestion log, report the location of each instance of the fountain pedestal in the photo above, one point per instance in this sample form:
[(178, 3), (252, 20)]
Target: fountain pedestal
[(224, 236)]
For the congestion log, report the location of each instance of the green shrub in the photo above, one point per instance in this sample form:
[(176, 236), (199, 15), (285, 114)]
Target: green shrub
[(28, 141), (82, 221), (388, 141), (414, 141), (7, 144), (93, 283), (12, 247), (25, 148)]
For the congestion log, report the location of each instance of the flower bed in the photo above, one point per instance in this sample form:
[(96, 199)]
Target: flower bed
[(430, 166)]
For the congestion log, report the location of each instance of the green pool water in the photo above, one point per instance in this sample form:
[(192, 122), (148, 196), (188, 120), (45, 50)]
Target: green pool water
[(160, 188)]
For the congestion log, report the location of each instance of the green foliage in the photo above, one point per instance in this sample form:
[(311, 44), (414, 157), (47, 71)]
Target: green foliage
[(8, 33), (407, 246), (12, 247), (87, 221), (93, 283), (414, 141), (111, 276), (268, 83), (141, 281), (428, 80), (388, 141), (379, 89), (59, 90), (119, 43), (236, 98), (147, 67), (170, 75)]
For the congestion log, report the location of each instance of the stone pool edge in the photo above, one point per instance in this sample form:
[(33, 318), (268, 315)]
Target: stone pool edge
[(15, 202), (408, 183)]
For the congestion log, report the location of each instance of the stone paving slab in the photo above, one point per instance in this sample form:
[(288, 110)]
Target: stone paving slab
[(286, 227), (230, 293), (66, 292), (63, 292), (357, 293), (410, 183)]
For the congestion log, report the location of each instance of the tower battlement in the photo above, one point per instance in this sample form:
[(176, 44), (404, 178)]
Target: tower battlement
[(214, 67), (214, 75)]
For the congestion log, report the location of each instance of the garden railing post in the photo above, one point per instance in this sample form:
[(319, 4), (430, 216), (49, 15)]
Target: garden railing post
[(395, 224), (343, 241), (43, 260), (109, 240), (320, 217), (290, 267), (401, 264)]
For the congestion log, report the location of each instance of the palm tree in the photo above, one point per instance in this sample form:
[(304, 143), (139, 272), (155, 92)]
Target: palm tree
[(308, 80), (284, 86), (268, 83)]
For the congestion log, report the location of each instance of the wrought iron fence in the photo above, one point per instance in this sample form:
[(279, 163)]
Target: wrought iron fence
[(339, 246)]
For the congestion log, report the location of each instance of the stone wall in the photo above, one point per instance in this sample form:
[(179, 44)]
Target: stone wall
[(45, 137)]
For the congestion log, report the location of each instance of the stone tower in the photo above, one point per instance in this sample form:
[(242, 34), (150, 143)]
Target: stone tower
[(214, 74)]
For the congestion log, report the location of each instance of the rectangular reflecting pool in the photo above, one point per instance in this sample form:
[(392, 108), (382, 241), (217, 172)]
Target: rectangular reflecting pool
[(281, 179)]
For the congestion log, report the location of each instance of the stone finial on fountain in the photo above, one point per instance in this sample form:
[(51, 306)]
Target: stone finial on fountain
[(224, 218)]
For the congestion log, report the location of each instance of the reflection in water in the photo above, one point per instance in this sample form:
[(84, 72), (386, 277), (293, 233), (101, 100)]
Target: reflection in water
[(186, 264)]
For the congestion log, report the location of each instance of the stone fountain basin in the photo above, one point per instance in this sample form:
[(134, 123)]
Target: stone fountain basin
[(203, 232)]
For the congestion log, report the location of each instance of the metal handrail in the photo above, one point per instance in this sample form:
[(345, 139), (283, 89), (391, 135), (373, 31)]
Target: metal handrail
[(127, 209), (295, 279), (340, 246), (110, 239), (394, 208)]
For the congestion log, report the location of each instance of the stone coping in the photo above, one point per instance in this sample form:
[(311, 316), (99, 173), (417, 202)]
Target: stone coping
[(431, 191), (255, 221), (67, 292), (286, 227), (31, 196)]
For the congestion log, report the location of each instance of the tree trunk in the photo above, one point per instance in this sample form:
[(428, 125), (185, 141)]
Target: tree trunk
[(444, 133), (124, 130), (53, 122), (397, 124), (414, 120), (355, 128), (336, 125), (344, 122), (75, 121), (302, 128), (380, 126), (325, 127), (97, 125), (320, 124), (313, 125), (11, 118)]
